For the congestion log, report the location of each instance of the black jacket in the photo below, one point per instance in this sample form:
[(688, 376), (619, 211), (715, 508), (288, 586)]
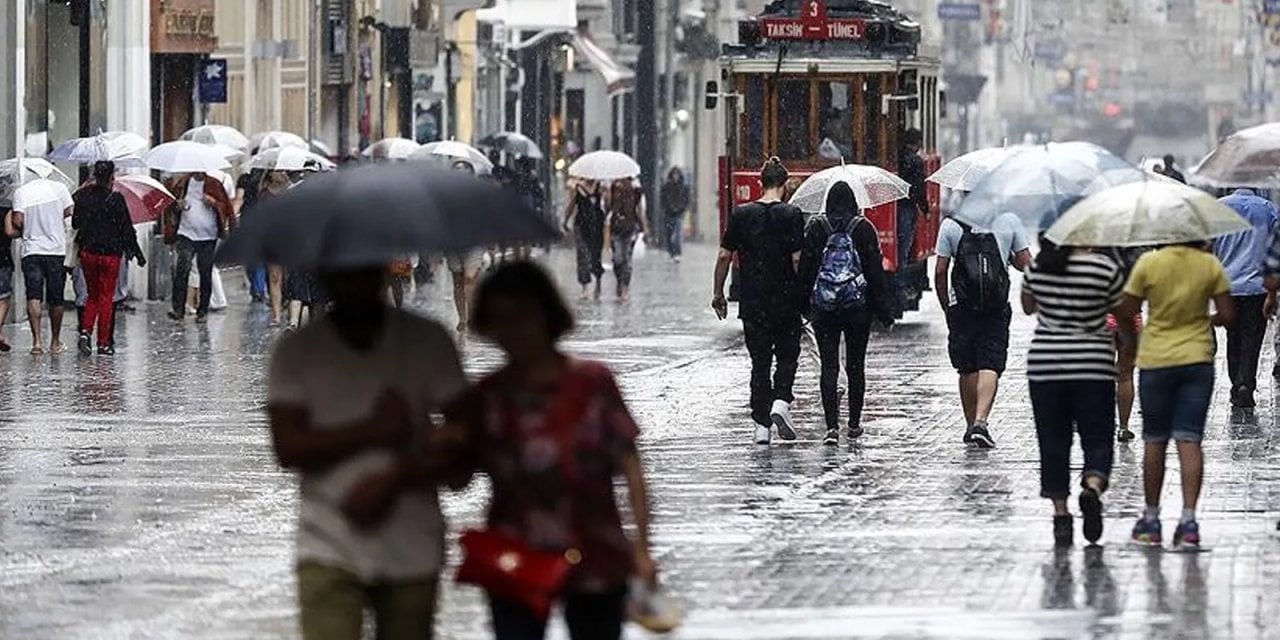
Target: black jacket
[(866, 241), (101, 219)]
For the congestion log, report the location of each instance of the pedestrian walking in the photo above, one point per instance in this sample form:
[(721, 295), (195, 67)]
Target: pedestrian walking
[(1170, 170), (1242, 256), (627, 224), (766, 237), (1175, 363), (274, 183), (39, 216), (248, 187), (552, 433), (972, 281), (1126, 342), (464, 269), (584, 218), (844, 289), (106, 238), (675, 207), (6, 277), (1071, 368), (912, 170), (349, 397), (193, 225)]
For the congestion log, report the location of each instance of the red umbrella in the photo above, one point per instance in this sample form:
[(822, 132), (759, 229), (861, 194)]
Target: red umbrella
[(146, 197)]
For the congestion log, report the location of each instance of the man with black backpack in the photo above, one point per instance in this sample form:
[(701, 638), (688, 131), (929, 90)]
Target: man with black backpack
[(765, 236), (972, 281), (844, 270)]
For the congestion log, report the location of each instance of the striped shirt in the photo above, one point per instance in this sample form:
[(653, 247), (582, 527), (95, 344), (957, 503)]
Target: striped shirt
[(1071, 340)]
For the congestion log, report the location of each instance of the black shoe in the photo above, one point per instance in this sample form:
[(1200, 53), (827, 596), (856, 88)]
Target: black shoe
[(833, 438), (1242, 397), (108, 350), (5, 347), (978, 436), (1125, 434), (856, 432), (202, 318), (1091, 511), (174, 315), (85, 344), (1063, 534)]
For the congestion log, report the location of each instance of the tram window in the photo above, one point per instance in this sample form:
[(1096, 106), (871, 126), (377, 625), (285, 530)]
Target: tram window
[(871, 149), (835, 113), (753, 112), (793, 120)]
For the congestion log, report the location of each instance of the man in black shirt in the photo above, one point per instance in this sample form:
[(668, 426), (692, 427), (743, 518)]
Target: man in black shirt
[(766, 237), (912, 170)]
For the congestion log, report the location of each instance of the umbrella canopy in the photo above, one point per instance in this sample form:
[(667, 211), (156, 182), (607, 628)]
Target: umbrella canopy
[(604, 165), (120, 147), (451, 151), (964, 173), (320, 148), (290, 159), (872, 186), (217, 134), (391, 149), (516, 144), (1145, 213), (1247, 158), (368, 216), (32, 169), (145, 196), (272, 139), (1039, 183), (184, 156)]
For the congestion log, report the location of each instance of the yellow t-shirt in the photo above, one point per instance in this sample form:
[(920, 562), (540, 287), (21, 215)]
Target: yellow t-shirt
[(1178, 283)]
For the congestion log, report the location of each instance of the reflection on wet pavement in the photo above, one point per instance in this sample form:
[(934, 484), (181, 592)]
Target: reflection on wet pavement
[(138, 498)]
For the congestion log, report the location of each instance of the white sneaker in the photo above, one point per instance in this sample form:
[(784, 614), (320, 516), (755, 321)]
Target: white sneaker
[(763, 435), (781, 415)]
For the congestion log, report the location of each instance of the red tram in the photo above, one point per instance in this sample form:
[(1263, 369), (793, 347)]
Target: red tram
[(818, 83)]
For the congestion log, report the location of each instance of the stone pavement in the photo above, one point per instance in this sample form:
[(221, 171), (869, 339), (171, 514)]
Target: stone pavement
[(138, 497)]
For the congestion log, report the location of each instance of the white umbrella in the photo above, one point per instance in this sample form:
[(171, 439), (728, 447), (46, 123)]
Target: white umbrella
[(120, 147), (872, 186), (1247, 158), (217, 134), (963, 173), (1145, 213), (320, 148), (451, 150), (32, 169), (184, 156), (391, 149), (290, 159), (272, 139), (604, 165)]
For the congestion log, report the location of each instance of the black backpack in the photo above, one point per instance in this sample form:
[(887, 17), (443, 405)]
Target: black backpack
[(979, 275)]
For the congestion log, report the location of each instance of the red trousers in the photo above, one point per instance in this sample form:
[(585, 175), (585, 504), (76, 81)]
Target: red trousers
[(100, 275)]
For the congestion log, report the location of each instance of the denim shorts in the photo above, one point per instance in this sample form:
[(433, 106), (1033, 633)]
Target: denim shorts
[(45, 278), (1175, 402), (978, 340)]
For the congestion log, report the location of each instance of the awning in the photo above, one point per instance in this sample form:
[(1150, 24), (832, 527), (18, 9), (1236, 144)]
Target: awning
[(618, 77), (532, 15)]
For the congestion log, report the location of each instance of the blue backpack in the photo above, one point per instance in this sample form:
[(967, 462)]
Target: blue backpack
[(841, 284)]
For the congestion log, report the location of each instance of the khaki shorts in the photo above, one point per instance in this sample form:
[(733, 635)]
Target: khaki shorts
[(332, 601)]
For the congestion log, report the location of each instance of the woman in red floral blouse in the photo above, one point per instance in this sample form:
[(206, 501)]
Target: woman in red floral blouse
[(505, 431)]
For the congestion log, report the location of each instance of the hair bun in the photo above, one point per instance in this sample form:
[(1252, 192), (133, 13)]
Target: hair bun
[(774, 160)]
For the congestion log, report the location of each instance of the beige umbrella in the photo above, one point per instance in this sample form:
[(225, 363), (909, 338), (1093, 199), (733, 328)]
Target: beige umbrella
[(1145, 213)]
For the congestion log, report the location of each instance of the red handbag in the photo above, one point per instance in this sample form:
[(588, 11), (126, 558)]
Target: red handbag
[(509, 568)]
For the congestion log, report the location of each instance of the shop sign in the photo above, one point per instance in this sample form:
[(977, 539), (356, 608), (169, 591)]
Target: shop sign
[(183, 26)]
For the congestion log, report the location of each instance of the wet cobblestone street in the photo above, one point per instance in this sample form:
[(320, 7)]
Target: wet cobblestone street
[(139, 497)]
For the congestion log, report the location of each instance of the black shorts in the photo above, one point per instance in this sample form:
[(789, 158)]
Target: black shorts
[(978, 340), (45, 278)]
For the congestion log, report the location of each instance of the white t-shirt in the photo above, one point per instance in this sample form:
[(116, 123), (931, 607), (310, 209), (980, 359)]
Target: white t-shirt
[(315, 370), (199, 222), (44, 227), (1010, 233)]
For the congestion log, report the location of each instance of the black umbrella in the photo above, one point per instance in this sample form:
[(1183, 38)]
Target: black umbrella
[(370, 215), (516, 144)]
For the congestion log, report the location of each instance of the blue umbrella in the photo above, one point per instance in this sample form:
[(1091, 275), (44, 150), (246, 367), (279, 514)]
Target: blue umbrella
[(1039, 183), (371, 215)]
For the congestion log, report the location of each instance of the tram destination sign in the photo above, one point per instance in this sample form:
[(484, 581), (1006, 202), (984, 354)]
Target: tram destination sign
[(812, 24)]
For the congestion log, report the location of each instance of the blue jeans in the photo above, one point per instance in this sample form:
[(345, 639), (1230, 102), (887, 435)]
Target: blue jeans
[(673, 225), (1062, 408), (1175, 402), (258, 282)]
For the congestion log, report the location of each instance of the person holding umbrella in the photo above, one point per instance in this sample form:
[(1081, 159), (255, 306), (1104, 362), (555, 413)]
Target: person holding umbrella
[(626, 225), (105, 236), (202, 215), (584, 218), (40, 210), (1242, 255)]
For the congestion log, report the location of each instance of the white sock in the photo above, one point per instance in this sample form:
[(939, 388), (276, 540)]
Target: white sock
[(1188, 515), (1151, 513)]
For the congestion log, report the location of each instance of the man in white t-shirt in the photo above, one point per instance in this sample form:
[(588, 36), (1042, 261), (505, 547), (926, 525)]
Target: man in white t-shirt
[(39, 217), (206, 212), (978, 330), (349, 397)]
